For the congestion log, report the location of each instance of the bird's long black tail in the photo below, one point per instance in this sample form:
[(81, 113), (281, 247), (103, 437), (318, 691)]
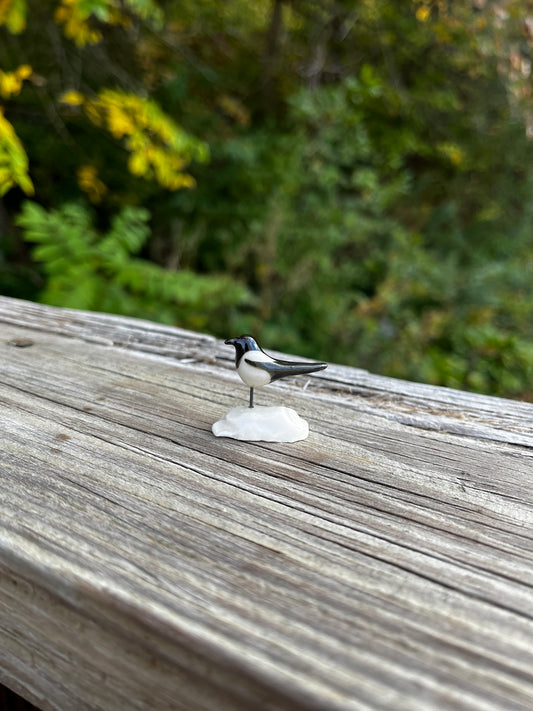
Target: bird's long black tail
[(282, 370)]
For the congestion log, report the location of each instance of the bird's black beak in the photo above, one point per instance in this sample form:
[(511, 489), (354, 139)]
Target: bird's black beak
[(230, 341)]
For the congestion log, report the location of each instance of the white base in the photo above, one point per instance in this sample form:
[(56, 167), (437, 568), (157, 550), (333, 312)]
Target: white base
[(262, 424)]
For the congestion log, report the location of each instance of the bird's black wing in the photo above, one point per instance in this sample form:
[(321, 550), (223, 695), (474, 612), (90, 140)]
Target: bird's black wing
[(284, 368)]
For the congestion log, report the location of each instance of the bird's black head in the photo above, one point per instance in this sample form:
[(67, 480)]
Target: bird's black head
[(242, 344)]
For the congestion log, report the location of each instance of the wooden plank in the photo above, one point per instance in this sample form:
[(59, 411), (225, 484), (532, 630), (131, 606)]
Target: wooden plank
[(422, 406), (384, 563)]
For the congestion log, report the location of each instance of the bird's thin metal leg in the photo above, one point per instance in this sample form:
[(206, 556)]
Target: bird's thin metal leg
[(251, 397)]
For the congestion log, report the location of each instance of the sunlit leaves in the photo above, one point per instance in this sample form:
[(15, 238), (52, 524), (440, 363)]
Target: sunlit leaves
[(74, 16), (78, 17), (11, 82), (90, 183), (422, 13), (13, 160), (72, 98), (158, 148), (13, 15)]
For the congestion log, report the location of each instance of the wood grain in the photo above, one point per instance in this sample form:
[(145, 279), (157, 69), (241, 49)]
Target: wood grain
[(383, 563)]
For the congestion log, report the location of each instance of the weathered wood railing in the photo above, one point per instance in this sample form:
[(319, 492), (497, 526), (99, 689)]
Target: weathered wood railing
[(383, 563)]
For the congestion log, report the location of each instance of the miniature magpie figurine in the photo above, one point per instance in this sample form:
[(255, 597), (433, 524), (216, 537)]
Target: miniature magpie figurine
[(256, 368)]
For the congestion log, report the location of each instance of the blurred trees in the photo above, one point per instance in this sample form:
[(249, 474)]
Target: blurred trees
[(347, 179)]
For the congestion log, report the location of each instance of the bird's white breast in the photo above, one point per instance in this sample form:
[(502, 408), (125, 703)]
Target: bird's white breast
[(251, 376)]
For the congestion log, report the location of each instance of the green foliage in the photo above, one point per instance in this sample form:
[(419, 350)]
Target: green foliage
[(85, 270), (322, 221), (369, 178)]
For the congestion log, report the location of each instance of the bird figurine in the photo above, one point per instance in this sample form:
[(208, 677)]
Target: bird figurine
[(256, 368)]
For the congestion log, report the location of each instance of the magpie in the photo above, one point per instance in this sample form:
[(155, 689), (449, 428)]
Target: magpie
[(256, 368)]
